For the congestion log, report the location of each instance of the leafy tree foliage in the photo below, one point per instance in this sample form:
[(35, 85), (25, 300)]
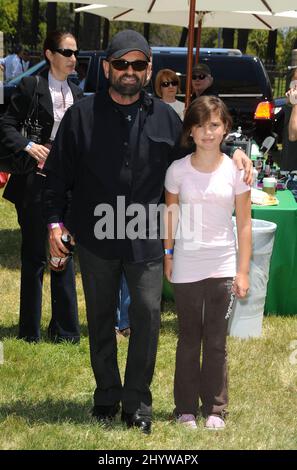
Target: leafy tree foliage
[(34, 29)]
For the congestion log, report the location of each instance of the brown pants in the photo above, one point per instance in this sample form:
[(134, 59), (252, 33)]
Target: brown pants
[(209, 330)]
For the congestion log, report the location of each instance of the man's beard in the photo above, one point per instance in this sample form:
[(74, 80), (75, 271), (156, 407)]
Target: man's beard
[(126, 89)]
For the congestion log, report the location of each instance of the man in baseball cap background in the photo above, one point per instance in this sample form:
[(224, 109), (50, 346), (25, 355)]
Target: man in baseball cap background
[(202, 81)]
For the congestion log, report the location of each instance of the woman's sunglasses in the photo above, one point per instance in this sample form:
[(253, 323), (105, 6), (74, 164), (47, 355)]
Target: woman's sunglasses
[(168, 83), (66, 52), (137, 65), (201, 76)]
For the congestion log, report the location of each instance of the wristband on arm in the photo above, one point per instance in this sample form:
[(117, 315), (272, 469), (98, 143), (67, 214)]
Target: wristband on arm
[(55, 225), (29, 146)]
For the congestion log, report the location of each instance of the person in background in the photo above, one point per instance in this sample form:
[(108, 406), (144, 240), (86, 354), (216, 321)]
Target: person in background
[(25, 60), (82, 68), (204, 188), (292, 97), (56, 95), (202, 81), (123, 324), (167, 85), (16, 63), (288, 161)]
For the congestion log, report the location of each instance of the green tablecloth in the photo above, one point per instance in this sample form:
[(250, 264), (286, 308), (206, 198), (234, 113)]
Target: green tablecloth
[(282, 286)]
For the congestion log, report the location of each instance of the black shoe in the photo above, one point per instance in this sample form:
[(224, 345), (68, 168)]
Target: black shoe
[(105, 414), (144, 423), (64, 339), (30, 339)]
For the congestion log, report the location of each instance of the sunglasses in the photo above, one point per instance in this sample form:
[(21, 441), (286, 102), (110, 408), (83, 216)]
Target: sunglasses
[(168, 83), (137, 65), (66, 52), (201, 76)]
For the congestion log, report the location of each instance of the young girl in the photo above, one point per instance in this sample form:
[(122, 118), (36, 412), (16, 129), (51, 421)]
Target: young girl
[(203, 271)]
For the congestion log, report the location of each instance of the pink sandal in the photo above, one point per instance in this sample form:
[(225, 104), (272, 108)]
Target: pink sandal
[(214, 422)]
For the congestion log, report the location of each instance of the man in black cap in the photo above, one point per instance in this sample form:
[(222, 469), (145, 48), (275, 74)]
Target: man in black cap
[(113, 149), (202, 81)]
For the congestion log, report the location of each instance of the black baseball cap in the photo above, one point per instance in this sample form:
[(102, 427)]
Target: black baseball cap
[(127, 41), (201, 68)]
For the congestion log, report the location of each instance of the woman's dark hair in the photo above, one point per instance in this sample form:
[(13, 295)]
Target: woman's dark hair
[(199, 112), (53, 41)]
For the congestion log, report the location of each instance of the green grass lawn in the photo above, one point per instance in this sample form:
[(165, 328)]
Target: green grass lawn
[(46, 389)]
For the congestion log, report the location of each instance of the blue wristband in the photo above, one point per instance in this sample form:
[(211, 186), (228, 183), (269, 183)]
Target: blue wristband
[(29, 146), (168, 251)]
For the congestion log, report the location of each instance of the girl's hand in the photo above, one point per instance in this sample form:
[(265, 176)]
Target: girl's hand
[(243, 162), (168, 267), (241, 285)]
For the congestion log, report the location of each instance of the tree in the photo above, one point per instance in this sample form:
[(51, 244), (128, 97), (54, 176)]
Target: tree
[(242, 41), (146, 31), (35, 23), (8, 19), (91, 32), (105, 38), (51, 16), (228, 37), (20, 21), (257, 43), (183, 37), (77, 26), (271, 47)]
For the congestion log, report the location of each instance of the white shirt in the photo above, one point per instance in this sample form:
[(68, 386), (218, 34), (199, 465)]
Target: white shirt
[(14, 66), (205, 246), (62, 99), (178, 107)]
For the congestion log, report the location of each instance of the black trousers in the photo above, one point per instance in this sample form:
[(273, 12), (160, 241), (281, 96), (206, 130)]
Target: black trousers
[(64, 321), (201, 310), (101, 281)]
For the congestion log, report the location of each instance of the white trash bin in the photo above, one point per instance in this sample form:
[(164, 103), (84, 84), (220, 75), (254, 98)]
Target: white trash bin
[(247, 316)]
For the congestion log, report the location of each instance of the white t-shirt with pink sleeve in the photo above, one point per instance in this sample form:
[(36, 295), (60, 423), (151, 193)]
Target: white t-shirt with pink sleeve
[(205, 240)]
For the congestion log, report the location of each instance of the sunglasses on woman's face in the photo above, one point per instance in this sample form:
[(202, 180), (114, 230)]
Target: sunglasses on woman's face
[(66, 52), (137, 65), (168, 83), (201, 76)]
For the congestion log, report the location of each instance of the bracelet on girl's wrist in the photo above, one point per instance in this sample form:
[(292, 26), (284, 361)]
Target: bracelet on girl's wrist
[(168, 251)]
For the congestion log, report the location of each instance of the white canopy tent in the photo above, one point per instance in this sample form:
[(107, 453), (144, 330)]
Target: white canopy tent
[(151, 7), (210, 19)]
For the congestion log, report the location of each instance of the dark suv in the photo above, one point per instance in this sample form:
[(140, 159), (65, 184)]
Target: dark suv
[(241, 81)]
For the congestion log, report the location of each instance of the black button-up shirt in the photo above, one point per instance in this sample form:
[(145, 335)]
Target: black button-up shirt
[(99, 157)]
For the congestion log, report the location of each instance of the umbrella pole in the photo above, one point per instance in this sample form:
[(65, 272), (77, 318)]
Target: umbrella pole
[(190, 52), (198, 41)]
